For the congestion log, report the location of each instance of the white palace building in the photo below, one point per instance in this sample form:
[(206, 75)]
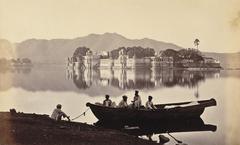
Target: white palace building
[(93, 61)]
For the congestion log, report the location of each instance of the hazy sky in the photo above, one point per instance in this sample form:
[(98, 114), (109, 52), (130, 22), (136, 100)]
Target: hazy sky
[(215, 22)]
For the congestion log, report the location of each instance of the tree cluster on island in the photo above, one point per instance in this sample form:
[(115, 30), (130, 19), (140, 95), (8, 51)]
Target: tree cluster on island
[(183, 58), (140, 52), (136, 51), (80, 52), (183, 54), (19, 61)]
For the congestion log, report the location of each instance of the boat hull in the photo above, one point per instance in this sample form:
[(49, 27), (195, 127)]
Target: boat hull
[(129, 114)]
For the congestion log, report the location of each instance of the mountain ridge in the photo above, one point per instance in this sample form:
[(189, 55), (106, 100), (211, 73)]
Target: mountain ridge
[(7, 49), (57, 50)]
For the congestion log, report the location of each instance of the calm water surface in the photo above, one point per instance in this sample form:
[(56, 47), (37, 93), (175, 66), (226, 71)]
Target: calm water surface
[(39, 89)]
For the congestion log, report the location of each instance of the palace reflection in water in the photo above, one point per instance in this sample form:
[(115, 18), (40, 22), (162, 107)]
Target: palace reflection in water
[(139, 78)]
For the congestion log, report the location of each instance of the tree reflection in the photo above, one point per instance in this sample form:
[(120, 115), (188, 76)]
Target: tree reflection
[(140, 78)]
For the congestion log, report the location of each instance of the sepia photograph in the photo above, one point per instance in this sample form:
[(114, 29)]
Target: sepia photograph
[(119, 72)]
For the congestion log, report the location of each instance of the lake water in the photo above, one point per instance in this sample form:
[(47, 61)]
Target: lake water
[(39, 89)]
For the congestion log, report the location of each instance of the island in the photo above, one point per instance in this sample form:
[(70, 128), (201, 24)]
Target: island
[(139, 57), (13, 63)]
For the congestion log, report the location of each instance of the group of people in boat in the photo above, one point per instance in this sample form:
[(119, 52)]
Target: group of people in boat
[(136, 103), (58, 114)]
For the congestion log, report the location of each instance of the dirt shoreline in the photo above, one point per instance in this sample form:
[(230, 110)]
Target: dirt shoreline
[(35, 129)]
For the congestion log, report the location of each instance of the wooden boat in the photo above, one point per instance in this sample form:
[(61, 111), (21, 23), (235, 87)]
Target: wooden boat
[(163, 112)]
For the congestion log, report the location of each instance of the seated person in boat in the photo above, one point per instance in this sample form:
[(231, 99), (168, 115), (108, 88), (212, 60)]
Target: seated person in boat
[(58, 113), (107, 102), (123, 103), (149, 103), (137, 102)]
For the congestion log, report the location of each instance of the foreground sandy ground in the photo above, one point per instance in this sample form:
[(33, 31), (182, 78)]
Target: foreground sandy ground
[(33, 129)]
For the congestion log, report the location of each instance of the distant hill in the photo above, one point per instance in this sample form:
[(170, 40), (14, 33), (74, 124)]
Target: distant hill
[(6, 49), (57, 50)]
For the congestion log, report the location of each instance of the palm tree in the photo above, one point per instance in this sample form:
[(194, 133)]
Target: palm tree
[(196, 42)]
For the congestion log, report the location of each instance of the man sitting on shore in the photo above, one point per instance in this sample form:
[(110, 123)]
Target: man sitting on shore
[(58, 113)]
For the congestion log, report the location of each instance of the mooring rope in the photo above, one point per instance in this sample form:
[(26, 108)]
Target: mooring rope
[(84, 113)]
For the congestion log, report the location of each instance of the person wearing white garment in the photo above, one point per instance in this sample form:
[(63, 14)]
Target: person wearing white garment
[(137, 102), (149, 103), (107, 102), (123, 103), (58, 113)]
